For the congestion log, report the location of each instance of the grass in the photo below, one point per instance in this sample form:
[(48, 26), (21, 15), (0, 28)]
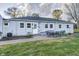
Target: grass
[(76, 30), (59, 47)]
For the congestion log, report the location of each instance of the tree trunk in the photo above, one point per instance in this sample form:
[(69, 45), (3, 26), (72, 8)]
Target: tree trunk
[(78, 24)]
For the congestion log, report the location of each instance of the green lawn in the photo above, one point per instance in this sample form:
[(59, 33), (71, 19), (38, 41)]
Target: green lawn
[(67, 46)]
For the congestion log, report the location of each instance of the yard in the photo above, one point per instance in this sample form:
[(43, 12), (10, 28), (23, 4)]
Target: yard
[(63, 46)]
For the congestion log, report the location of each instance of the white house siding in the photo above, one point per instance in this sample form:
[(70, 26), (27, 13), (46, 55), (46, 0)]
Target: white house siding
[(14, 28), (43, 29), (1, 29), (56, 27), (20, 31), (29, 30), (70, 29), (10, 28), (1, 20), (63, 27), (35, 30), (25, 30), (5, 29)]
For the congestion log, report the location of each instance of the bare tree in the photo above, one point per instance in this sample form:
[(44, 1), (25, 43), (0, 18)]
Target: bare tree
[(35, 15), (72, 11), (12, 12)]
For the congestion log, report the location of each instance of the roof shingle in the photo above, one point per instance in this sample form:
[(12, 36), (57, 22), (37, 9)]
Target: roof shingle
[(27, 18)]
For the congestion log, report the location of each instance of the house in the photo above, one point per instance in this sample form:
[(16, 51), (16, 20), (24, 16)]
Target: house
[(21, 26)]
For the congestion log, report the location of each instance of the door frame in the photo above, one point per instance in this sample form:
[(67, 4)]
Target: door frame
[(35, 28)]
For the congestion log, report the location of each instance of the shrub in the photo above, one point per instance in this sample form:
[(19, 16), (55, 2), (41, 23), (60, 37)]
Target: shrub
[(76, 30), (69, 33), (6, 38), (29, 36)]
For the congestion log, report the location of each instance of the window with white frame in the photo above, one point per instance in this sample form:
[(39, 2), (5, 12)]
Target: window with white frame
[(59, 26), (51, 25), (6, 24), (21, 25), (67, 26), (35, 26), (46, 25), (28, 25)]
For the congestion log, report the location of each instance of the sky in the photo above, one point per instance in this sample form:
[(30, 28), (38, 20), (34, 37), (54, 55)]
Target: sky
[(4, 6)]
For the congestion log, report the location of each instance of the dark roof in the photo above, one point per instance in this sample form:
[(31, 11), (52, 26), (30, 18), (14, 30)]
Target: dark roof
[(31, 18)]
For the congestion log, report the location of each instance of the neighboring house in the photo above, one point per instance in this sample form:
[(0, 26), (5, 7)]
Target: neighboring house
[(24, 25)]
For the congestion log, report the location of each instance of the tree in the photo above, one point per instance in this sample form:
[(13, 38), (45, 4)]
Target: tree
[(12, 12), (57, 13), (72, 11), (35, 15)]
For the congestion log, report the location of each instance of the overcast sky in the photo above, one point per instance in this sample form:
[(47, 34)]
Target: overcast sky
[(4, 6)]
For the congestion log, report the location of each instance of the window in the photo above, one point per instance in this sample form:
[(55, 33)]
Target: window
[(28, 25), (6, 24), (35, 26), (67, 26), (51, 25), (59, 26), (46, 25), (21, 25)]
